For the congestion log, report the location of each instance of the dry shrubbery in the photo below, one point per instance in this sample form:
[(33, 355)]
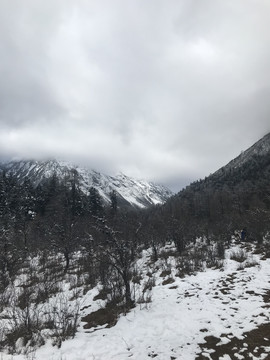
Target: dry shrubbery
[(36, 309), (239, 255)]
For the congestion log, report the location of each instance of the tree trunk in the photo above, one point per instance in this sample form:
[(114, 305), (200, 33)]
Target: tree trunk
[(129, 301)]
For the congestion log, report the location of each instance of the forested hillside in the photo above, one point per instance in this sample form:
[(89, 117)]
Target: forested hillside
[(237, 196)]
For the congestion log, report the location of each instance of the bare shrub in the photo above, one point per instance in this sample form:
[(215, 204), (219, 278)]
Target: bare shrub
[(45, 290), (238, 255), (64, 318), (145, 293), (250, 262), (24, 324), (144, 299), (137, 278), (26, 319), (215, 263), (184, 267), (149, 284)]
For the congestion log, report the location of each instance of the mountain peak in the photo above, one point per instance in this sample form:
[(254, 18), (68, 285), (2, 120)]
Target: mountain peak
[(130, 191)]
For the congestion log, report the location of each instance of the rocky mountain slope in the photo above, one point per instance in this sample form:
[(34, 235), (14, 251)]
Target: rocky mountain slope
[(138, 193)]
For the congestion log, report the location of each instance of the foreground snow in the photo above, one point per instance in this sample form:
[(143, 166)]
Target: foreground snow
[(224, 303)]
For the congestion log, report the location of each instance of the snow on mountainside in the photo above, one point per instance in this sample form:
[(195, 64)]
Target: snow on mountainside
[(137, 193), (260, 148)]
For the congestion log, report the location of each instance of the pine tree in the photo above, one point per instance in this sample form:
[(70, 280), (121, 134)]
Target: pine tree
[(95, 202), (113, 199)]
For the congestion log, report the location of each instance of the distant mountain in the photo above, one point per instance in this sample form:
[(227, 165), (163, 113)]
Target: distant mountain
[(138, 193)]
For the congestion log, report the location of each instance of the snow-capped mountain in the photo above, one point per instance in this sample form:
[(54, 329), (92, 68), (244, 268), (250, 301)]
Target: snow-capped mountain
[(260, 149), (138, 193)]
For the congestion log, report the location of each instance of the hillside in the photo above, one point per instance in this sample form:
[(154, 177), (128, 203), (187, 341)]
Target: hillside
[(236, 196), (260, 149), (132, 192), (252, 165), (251, 169)]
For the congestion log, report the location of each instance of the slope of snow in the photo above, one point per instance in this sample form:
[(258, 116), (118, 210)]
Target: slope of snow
[(135, 192), (260, 148), (222, 303)]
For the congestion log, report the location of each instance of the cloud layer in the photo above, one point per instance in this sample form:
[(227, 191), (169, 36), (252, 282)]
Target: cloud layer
[(168, 91)]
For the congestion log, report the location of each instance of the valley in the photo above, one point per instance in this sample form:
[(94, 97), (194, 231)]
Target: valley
[(100, 267)]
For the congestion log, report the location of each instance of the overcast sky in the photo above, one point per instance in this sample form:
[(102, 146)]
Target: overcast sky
[(165, 90)]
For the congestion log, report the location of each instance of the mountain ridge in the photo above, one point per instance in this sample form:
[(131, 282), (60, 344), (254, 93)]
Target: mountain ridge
[(130, 191), (259, 148), (253, 164), (236, 196)]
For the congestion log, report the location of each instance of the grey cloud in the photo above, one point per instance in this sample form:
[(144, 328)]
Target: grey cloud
[(29, 104), (162, 91), (25, 94)]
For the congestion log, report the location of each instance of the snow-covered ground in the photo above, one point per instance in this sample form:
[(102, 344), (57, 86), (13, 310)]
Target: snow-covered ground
[(225, 303)]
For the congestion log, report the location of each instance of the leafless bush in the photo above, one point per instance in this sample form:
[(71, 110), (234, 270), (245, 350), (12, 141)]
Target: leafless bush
[(144, 299), (24, 324), (45, 290), (215, 263), (136, 277), (25, 320), (166, 267), (250, 262), (63, 317), (184, 267), (76, 281), (144, 296), (149, 284), (238, 255)]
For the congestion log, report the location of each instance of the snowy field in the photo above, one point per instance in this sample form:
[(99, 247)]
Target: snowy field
[(218, 307)]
